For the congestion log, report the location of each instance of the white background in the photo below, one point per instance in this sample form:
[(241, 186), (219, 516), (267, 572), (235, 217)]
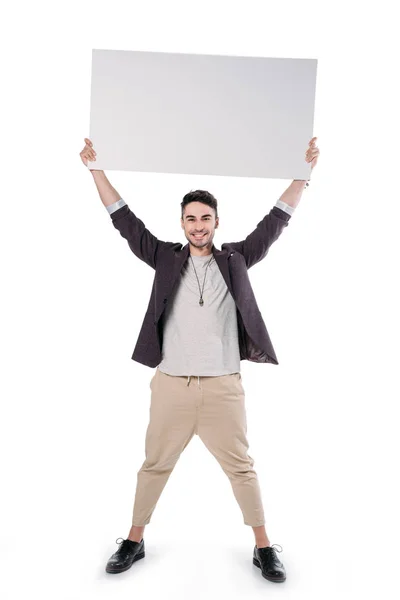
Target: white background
[(322, 425)]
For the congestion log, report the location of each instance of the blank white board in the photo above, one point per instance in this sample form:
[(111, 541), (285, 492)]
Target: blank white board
[(202, 114)]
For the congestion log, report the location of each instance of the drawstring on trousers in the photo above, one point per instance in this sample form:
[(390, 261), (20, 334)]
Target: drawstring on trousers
[(198, 380)]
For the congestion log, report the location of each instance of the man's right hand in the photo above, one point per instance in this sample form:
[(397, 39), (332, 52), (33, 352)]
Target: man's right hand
[(88, 153)]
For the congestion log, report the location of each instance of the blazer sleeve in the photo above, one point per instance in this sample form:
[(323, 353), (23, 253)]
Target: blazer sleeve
[(256, 245), (141, 241)]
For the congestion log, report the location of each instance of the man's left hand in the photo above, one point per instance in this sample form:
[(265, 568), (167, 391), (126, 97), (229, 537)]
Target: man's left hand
[(312, 153)]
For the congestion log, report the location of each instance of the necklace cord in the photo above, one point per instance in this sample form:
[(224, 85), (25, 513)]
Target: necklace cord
[(198, 282)]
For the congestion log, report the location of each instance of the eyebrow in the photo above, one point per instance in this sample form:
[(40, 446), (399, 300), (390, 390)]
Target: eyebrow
[(193, 217)]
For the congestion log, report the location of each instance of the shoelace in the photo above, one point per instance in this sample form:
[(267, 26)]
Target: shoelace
[(122, 541), (273, 547)]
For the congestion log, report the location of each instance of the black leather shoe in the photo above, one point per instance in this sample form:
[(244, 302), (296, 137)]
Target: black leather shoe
[(270, 565), (125, 556)]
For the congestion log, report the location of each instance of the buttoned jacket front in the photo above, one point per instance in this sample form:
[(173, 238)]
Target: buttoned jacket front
[(234, 259)]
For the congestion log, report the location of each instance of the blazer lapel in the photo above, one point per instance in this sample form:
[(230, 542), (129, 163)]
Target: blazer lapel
[(180, 259), (221, 258)]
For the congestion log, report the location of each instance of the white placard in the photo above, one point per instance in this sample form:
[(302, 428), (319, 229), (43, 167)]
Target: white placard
[(202, 114)]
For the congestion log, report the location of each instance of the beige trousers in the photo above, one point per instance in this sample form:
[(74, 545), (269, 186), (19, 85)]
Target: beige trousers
[(212, 408)]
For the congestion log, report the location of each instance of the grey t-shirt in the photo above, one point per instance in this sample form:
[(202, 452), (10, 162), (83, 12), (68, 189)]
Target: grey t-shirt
[(200, 340)]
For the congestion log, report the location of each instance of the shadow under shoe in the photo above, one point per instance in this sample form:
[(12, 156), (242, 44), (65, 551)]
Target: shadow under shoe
[(127, 553), (267, 560)]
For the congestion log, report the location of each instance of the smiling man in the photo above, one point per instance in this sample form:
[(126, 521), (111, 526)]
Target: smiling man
[(201, 321)]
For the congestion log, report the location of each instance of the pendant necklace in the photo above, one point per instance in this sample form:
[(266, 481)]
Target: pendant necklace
[(201, 301)]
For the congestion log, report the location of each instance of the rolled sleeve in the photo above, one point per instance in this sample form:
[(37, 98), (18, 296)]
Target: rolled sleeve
[(283, 206), (115, 206)]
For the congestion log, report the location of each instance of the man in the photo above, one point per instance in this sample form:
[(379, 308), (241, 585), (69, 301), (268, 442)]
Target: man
[(201, 321)]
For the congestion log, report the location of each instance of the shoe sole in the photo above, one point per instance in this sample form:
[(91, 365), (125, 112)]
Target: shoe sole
[(275, 580), (137, 557)]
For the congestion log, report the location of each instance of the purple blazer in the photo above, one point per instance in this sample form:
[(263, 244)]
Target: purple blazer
[(233, 260)]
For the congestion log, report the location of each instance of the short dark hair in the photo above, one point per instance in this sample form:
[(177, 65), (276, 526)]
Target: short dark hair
[(200, 196)]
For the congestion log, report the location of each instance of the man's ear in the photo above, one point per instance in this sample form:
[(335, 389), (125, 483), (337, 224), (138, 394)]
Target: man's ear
[(182, 225)]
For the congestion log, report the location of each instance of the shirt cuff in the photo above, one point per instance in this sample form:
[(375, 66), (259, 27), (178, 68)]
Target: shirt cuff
[(284, 206), (116, 205)]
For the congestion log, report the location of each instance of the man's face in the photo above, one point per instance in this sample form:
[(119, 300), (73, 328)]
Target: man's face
[(199, 224)]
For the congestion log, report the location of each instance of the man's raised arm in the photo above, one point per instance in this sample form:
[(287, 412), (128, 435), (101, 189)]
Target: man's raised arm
[(256, 245), (141, 241)]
